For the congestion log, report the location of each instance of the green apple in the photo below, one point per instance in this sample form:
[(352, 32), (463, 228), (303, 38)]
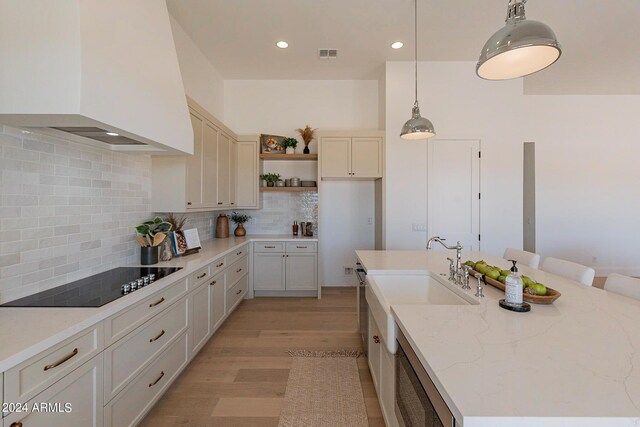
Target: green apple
[(502, 278), (494, 274), (505, 272), (470, 263), (527, 281), (541, 289)]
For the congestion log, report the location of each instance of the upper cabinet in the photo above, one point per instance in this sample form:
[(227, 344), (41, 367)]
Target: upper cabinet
[(349, 156), (79, 69), (211, 178)]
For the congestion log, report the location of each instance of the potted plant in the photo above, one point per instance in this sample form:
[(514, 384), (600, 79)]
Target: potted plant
[(271, 178), (150, 234), (290, 145), (239, 219), (307, 134)]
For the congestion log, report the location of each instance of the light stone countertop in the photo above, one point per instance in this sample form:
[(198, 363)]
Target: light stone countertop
[(27, 331), (572, 363)]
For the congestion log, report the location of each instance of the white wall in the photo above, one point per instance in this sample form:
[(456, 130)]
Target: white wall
[(587, 175), (281, 106), (461, 106), (201, 80)]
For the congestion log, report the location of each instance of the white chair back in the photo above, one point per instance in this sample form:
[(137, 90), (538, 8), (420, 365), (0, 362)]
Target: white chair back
[(523, 257), (623, 285), (569, 270)]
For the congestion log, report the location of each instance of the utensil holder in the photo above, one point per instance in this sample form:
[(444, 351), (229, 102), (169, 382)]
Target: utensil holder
[(149, 255)]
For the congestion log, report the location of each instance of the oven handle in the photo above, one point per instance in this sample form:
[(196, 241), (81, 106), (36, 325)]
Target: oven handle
[(360, 273)]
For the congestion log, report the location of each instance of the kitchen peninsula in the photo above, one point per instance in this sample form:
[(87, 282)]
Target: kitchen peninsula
[(572, 363)]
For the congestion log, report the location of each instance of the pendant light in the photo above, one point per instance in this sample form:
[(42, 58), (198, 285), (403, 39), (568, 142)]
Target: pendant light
[(417, 127), (520, 48)]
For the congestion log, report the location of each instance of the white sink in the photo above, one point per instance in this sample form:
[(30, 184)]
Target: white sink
[(384, 291)]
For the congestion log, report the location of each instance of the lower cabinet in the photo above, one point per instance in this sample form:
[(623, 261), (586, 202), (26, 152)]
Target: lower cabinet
[(290, 267), (200, 313), (383, 371), (75, 400), (217, 300)]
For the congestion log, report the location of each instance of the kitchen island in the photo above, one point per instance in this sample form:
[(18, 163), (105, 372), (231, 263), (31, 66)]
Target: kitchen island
[(572, 363)]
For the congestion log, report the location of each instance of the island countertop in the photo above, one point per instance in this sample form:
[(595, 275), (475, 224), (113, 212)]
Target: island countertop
[(572, 363)]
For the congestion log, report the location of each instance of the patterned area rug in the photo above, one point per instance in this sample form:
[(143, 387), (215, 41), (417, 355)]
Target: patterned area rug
[(324, 390)]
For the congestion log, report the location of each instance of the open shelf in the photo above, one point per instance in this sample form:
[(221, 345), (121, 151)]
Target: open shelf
[(289, 189), (288, 157)]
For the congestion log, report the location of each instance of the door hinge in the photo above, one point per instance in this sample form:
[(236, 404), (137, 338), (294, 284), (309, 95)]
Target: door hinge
[(478, 237)]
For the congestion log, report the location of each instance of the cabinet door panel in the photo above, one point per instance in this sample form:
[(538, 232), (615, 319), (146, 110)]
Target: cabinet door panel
[(194, 166), (209, 166), (233, 167), (200, 329), (336, 157), (374, 352), (247, 174), (366, 157), (301, 273), (218, 308), (224, 169), (268, 272)]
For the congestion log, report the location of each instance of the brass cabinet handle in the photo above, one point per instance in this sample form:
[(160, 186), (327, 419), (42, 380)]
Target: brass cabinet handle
[(239, 253), (61, 361), (201, 276), (301, 247), (213, 283), (158, 379), (376, 339), (16, 424), (188, 203), (220, 265), (269, 247), (157, 338), (239, 292), (160, 301), (219, 203), (238, 270)]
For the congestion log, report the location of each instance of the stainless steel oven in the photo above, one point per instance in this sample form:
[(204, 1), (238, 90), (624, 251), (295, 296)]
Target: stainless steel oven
[(417, 401), (363, 307)]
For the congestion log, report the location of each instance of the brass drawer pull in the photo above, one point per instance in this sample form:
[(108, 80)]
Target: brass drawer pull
[(220, 265), (239, 292), (269, 247), (16, 424), (61, 361), (160, 301), (238, 270), (239, 253), (157, 338), (213, 283), (376, 339), (301, 247), (201, 276), (156, 381)]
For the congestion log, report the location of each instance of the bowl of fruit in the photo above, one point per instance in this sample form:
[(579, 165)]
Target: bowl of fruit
[(532, 291)]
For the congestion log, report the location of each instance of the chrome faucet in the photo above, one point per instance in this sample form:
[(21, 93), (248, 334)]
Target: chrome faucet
[(455, 274)]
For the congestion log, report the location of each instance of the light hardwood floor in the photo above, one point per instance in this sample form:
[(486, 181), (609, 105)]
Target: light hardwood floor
[(239, 378)]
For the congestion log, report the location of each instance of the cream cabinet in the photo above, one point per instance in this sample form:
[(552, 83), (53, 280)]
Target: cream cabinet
[(351, 157), (247, 179), (382, 368), (206, 180), (285, 267), (217, 300), (200, 321), (75, 400)]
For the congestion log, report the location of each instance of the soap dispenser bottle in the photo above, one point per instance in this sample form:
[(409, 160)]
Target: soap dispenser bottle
[(513, 292)]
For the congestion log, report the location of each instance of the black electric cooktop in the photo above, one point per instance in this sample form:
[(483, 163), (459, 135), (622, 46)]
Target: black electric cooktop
[(95, 291)]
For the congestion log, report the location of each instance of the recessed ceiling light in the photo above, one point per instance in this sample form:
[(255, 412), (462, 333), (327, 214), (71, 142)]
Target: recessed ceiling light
[(282, 44), (113, 134), (397, 45)]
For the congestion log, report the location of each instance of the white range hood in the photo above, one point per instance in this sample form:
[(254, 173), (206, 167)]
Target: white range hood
[(82, 68)]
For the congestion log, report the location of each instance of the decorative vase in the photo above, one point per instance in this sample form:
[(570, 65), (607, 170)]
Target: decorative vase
[(306, 149), (149, 255), (240, 231), (166, 253), (222, 227), (290, 150), (270, 184)]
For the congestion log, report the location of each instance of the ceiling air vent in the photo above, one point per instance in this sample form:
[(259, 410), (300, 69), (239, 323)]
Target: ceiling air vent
[(328, 53)]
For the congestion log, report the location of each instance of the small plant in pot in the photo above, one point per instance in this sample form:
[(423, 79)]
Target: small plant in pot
[(290, 145), (271, 178), (150, 234), (239, 219)]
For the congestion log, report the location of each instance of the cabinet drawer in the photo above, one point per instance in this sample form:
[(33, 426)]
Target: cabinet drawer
[(218, 265), (129, 406), (126, 358), (237, 270), (237, 254), (199, 277), (78, 395), (26, 380), (122, 323), (302, 247), (268, 247), (236, 292)]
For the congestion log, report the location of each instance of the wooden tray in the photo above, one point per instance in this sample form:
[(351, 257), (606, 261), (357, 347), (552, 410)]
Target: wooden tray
[(549, 298)]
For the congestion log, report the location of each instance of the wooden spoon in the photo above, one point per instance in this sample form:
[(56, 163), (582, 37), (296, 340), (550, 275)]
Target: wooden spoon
[(141, 240), (149, 240), (158, 238)]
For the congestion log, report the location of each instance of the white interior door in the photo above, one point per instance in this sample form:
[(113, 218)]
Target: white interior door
[(453, 206)]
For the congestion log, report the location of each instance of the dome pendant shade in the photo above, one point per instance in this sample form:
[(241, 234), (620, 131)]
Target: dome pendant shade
[(417, 127), (518, 49)]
